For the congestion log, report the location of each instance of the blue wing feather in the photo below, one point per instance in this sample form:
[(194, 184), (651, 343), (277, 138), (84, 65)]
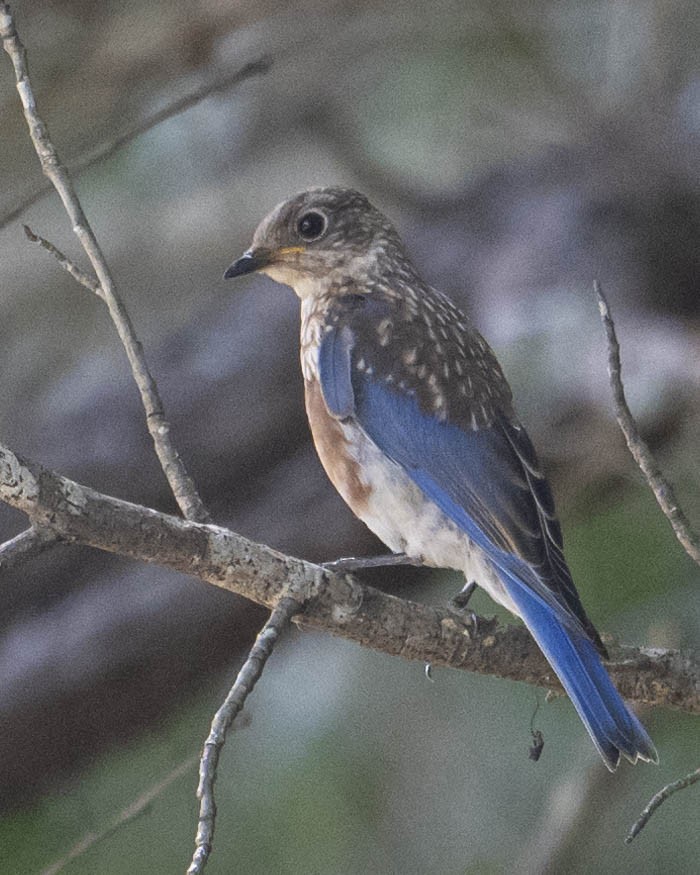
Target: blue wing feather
[(488, 482), (335, 372)]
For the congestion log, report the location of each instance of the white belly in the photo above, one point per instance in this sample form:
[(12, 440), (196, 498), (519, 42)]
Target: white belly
[(399, 513)]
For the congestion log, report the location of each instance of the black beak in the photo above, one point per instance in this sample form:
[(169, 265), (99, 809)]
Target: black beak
[(249, 262)]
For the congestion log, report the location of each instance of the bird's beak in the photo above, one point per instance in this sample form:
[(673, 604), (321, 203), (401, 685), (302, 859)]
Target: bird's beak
[(249, 262), (259, 259)]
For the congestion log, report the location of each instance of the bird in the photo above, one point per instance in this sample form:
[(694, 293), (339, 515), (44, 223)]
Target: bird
[(413, 421)]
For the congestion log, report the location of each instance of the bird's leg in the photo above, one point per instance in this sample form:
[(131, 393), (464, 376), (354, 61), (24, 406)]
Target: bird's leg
[(351, 563), (461, 600), (458, 605)]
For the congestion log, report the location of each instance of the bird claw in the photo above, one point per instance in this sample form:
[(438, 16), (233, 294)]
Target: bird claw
[(461, 600), (458, 607)]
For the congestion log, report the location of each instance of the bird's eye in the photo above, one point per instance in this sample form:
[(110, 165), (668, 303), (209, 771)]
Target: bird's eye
[(311, 226)]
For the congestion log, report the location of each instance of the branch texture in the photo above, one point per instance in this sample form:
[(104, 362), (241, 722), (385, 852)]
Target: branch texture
[(173, 467), (658, 799), (27, 545), (641, 453), (336, 603), (246, 679)]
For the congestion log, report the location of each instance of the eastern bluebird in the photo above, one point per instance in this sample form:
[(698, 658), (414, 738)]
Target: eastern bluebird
[(413, 421)]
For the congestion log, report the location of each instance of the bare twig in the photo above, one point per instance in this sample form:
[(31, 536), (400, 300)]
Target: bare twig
[(640, 451), (664, 496), (180, 482), (658, 799), (105, 150), (78, 275), (134, 809), (336, 603), (27, 545), (233, 704)]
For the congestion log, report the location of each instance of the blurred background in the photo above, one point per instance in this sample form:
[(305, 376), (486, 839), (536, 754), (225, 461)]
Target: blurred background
[(522, 149)]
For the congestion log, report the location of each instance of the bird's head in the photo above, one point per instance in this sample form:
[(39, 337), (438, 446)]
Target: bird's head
[(318, 239)]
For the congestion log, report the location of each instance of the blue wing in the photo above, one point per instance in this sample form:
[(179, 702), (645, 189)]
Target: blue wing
[(334, 365), (487, 481)]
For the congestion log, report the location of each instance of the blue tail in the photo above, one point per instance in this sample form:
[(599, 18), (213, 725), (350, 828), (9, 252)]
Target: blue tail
[(612, 726)]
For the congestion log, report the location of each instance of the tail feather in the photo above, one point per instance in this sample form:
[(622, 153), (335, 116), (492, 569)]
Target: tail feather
[(613, 728)]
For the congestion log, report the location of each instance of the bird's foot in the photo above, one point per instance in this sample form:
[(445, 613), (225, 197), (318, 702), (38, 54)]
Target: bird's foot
[(458, 607), (352, 563)]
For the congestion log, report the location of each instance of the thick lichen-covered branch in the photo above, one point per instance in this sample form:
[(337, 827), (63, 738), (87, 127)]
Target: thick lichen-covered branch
[(337, 603)]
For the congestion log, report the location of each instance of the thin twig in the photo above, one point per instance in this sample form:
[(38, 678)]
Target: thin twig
[(658, 799), (664, 496), (105, 150), (246, 679), (70, 267), (180, 482), (134, 809), (27, 545), (638, 448)]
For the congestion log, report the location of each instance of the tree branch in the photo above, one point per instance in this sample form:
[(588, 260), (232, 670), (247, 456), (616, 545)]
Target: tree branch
[(665, 498), (78, 275), (28, 544), (233, 704), (105, 150), (335, 603), (180, 482), (133, 810), (658, 799), (641, 453)]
